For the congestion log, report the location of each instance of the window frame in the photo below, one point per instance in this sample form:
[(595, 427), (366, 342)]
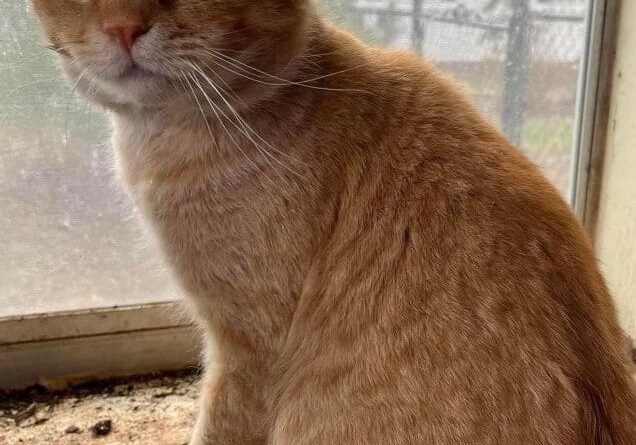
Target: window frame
[(595, 90), (61, 347)]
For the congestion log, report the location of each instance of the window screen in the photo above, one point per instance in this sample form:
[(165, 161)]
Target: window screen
[(68, 236)]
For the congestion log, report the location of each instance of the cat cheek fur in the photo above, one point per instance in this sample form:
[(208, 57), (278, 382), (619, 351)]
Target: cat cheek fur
[(62, 20)]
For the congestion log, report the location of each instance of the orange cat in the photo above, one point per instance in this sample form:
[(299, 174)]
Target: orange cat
[(373, 261)]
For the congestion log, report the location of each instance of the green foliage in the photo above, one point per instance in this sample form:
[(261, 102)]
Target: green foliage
[(547, 135)]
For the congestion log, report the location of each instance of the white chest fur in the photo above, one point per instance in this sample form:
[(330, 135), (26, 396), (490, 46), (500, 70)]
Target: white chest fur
[(231, 236)]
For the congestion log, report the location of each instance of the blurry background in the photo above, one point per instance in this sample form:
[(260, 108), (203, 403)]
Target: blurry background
[(68, 237), (519, 59)]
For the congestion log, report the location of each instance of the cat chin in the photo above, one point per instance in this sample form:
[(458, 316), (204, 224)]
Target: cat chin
[(138, 90), (117, 85)]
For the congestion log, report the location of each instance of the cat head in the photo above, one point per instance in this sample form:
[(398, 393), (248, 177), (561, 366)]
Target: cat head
[(140, 53)]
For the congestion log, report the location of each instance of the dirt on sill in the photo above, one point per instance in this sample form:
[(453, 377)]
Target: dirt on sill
[(146, 410)]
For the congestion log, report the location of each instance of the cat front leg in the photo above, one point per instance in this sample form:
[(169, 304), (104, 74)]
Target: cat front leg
[(230, 412)]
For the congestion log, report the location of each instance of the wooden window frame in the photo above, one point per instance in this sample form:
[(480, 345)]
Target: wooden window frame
[(57, 348), (595, 90)]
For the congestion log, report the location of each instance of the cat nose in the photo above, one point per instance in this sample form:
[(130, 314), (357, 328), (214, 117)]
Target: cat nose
[(125, 34)]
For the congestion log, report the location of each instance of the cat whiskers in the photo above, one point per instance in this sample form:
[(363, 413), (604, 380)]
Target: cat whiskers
[(68, 101), (256, 75), (227, 88), (245, 128), (79, 79), (58, 49), (39, 81), (218, 111), (28, 84), (190, 80)]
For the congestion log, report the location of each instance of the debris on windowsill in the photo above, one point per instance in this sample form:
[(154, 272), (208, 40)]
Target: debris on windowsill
[(101, 428), (72, 429), (25, 414), (146, 410)]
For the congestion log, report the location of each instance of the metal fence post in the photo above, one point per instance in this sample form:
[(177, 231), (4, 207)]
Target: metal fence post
[(516, 74), (417, 36)]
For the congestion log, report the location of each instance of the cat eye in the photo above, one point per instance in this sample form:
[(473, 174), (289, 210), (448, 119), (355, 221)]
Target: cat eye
[(70, 241)]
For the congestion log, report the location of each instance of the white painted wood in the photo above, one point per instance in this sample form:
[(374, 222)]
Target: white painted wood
[(588, 98), (55, 363), (56, 348), (84, 323), (594, 102), (615, 235)]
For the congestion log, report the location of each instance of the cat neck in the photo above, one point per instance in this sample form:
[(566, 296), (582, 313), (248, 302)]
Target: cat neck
[(249, 129), (223, 204)]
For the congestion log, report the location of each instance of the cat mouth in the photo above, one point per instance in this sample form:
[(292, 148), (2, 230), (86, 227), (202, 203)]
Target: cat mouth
[(135, 71)]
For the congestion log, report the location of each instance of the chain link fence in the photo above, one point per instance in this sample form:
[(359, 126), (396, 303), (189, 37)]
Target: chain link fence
[(519, 59)]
